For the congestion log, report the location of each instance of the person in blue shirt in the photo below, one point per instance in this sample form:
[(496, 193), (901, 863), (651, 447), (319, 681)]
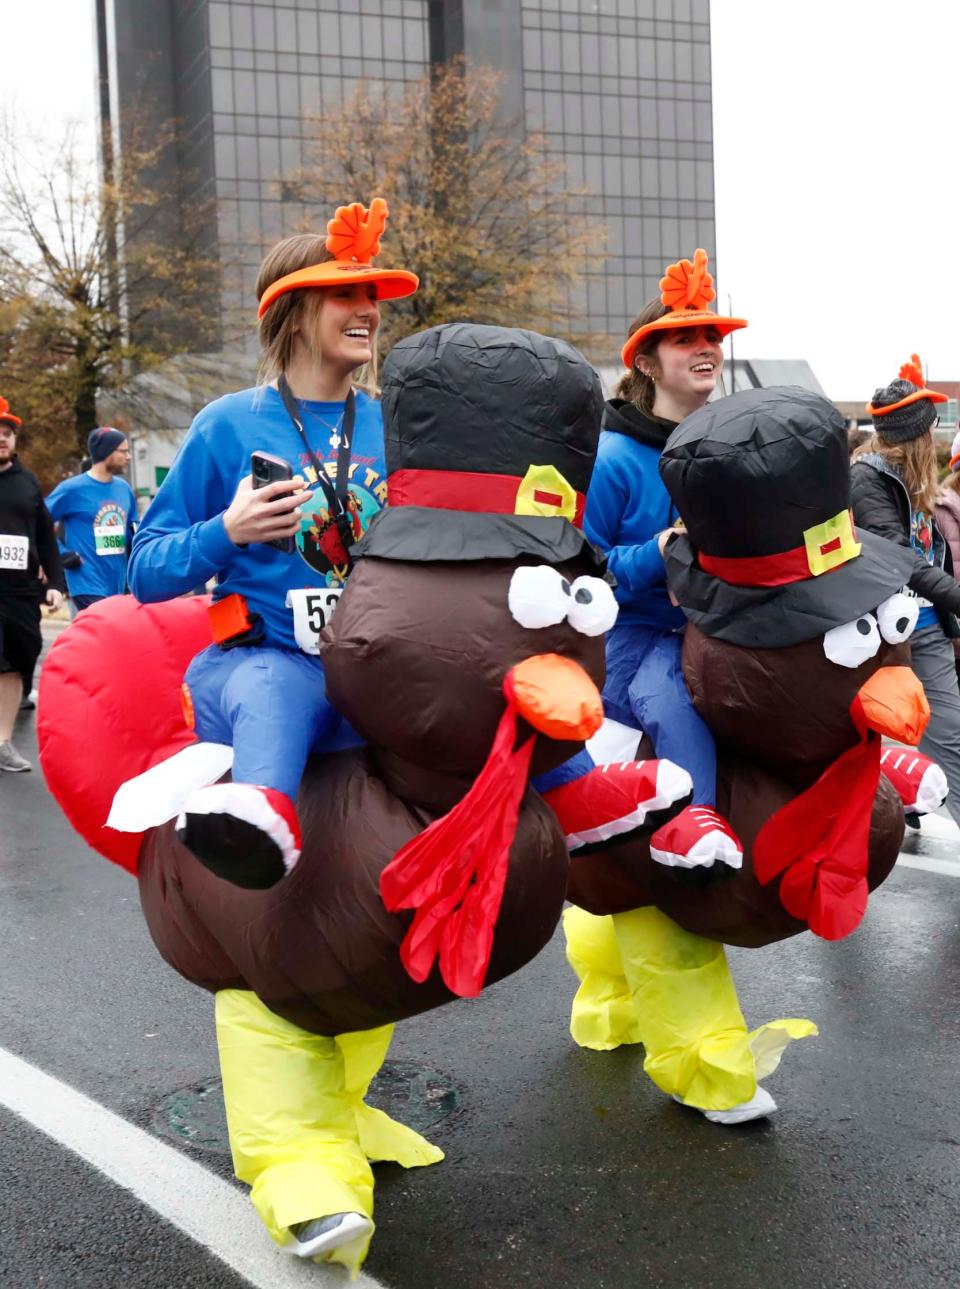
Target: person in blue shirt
[(279, 553), (674, 359), (642, 977), (97, 514)]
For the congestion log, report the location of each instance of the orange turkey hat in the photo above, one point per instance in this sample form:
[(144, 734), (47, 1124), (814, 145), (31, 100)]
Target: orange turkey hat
[(353, 237), (7, 415), (686, 289), (912, 372)]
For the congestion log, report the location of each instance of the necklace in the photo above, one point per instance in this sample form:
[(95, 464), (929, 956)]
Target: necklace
[(334, 429)]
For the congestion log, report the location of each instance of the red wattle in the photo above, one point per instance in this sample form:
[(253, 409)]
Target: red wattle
[(454, 872), (819, 840)]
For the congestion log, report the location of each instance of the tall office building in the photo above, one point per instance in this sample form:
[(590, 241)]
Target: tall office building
[(621, 88)]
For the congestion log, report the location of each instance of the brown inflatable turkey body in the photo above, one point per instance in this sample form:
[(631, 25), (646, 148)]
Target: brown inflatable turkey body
[(796, 656), (490, 440)]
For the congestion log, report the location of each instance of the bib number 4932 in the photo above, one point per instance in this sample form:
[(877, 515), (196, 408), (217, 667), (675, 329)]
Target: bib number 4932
[(14, 551), (312, 610)]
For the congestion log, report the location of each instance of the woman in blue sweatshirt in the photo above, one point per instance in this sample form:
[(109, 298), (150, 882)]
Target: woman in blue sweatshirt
[(279, 553), (674, 359), (643, 979)]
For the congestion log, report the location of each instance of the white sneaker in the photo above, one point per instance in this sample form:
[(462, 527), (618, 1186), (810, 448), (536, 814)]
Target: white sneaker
[(324, 1234), (760, 1105), (11, 760)]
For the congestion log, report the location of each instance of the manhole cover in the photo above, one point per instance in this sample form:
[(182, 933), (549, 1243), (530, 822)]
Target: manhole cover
[(414, 1094), (196, 1115)]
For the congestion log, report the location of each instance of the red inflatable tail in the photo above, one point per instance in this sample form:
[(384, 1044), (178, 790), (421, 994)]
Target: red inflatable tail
[(110, 707)]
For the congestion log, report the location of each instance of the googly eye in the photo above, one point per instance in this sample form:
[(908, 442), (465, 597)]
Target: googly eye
[(897, 617), (853, 643), (592, 609), (538, 596)]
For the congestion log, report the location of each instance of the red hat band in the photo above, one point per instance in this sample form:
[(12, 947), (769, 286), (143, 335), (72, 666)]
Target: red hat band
[(825, 547), (541, 491)]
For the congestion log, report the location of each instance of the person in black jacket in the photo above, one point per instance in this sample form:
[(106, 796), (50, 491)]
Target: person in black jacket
[(894, 492), (27, 543)]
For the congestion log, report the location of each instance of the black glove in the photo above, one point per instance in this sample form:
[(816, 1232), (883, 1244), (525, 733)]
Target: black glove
[(70, 559)]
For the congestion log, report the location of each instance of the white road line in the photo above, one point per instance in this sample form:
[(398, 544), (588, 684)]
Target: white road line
[(208, 1210), (950, 867), (940, 828)]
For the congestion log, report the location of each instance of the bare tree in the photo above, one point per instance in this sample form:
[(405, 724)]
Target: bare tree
[(480, 209), (76, 317)]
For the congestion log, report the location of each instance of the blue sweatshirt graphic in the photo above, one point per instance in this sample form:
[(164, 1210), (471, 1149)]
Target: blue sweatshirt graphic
[(182, 542), (627, 506), (98, 520)]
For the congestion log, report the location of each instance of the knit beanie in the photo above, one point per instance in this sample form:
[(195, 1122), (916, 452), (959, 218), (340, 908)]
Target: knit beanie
[(955, 452), (101, 442), (905, 423)]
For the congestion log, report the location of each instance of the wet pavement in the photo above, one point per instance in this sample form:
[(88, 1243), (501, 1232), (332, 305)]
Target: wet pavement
[(564, 1167)]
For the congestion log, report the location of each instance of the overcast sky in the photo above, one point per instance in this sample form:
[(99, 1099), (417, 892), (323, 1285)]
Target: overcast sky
[(837, 170)]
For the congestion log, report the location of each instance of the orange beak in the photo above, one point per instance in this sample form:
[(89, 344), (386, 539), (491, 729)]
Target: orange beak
[(556, 696), (893, 703)]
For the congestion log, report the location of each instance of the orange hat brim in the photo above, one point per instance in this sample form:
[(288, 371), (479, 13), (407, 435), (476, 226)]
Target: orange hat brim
[(674, 321), (934, 396), (392, 284), (13, 420)]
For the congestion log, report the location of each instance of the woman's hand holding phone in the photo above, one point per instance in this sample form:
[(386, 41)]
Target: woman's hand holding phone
[(267, 514)]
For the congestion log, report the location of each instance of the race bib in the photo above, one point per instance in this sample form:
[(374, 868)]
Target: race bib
[(13, 551), (312, 609), (109, 540)]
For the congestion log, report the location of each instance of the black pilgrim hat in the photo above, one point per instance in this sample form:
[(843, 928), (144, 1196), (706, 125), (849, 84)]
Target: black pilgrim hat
[(490, 434), (770, 556)]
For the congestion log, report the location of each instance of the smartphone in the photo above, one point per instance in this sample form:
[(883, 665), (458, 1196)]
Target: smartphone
[(266, 468)]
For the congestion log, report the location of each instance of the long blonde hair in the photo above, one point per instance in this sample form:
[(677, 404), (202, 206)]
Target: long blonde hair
[(297, 311), (916, 463), (636, 386)]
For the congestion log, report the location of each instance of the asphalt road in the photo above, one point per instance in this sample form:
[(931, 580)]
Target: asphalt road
[(564, 1167)]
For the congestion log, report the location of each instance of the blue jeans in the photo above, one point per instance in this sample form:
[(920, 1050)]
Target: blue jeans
[(645, 688), (271, 706)]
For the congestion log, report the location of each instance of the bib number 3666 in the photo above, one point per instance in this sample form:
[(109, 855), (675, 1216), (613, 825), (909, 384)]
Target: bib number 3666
[(312, 610)]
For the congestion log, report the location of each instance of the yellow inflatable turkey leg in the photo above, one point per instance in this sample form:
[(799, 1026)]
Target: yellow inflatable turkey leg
[(300, 1131), (380, 1136), (603, 1014), (673, 993), (292, 1124)]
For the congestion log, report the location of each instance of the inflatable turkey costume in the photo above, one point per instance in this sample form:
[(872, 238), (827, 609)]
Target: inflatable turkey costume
[(797, 657), (490, 441)]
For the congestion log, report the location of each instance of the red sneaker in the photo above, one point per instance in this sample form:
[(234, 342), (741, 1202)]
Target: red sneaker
[(697, 838), (245, 834), (615, 799), (920, 783)]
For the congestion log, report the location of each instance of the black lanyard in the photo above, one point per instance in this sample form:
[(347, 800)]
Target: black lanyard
[(336, 496)]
